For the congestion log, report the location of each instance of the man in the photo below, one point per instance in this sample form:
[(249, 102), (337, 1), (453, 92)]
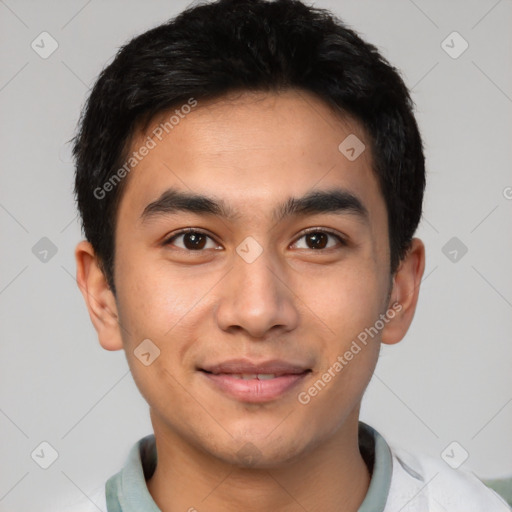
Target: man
[(250, 176)]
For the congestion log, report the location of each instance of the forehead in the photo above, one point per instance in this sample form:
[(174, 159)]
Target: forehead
[(252, 150)]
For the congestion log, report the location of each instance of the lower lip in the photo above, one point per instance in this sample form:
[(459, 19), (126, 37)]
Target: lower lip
[(255, 390)]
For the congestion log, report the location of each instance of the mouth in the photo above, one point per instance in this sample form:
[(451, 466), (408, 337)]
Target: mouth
[(254, 383), (259, 376), (276, 367), (251, 376)]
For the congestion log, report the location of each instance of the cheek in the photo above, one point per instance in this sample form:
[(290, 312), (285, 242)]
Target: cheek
[(152, 300), (348, 354), (359, 309), (345, 302), (155, 305)]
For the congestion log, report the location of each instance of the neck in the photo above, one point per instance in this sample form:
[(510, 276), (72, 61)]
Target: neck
[(332, 476)]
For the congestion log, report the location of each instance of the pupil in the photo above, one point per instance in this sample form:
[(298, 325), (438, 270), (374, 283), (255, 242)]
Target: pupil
[(317, 239), (197, 240)]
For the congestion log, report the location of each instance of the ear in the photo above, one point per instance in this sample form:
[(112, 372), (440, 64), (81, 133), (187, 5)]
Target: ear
[(98, 297), (404, 293)]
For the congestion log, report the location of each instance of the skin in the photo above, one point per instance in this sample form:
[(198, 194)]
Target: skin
[(294, 302)]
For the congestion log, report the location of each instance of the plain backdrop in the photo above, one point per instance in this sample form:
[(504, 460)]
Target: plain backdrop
[(449, 380)]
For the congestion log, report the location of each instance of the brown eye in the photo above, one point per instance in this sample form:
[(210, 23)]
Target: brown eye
[(319, 240), (194, 241), (191, 240)]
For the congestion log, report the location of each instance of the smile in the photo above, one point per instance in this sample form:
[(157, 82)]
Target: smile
[(254, 388)]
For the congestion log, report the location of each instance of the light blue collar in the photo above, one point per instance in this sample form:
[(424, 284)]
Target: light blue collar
[(374, 449), (127, 491)]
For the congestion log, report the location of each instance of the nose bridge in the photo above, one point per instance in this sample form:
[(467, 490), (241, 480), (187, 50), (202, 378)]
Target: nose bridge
[(255, 297), (255, 274)]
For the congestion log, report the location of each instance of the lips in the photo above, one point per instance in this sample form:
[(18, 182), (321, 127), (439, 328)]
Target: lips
[(249, 376), (247, 381), (250, 369)]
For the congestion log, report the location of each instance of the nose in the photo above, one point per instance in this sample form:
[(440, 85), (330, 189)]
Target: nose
[(257, 296)]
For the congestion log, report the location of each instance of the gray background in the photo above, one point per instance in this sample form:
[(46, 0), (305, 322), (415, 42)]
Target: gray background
[(448, 380)]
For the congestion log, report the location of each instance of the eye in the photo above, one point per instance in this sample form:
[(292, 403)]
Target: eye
[(192, 240), (195, 240), (318, 239)]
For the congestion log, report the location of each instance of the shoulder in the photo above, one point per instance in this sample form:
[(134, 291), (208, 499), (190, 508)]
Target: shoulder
[(94, 502), (422, 483)]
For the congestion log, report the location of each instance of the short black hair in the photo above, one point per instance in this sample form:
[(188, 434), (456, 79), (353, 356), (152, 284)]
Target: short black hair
[(212, 49)]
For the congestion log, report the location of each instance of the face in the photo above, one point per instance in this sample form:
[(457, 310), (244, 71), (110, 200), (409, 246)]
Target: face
[(259, 284)]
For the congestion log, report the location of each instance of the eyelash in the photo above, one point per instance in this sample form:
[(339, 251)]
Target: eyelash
[(185, 231)]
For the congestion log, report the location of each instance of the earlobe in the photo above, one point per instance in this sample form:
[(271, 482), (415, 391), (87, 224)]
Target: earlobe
[(98, 297), (405, 293)]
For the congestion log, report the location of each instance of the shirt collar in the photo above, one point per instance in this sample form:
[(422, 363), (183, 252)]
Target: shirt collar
[(127, 491), (377, 455)]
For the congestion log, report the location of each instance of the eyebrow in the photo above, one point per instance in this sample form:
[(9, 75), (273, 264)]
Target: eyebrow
[(337, 201)]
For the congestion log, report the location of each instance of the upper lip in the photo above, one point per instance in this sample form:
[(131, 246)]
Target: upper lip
[(245, 366)]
